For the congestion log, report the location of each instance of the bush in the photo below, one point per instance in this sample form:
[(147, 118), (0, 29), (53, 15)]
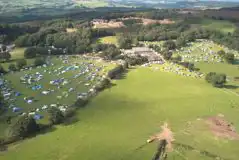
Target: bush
[(137, 60), (111, 52), (39, 62), (23, 127), (12, 67), (188, 65), (21, 63), (2, 70), (221, 53), (216, 79), (81, 102), (102, 85), (167, 55), (170, 45), (55, 115), (177, 59), (69, 112), (116, 71), (229, 57), (30, 52)]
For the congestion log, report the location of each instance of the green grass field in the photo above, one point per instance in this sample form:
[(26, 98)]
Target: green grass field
[(92, 3), (108, 40), (122, 118), (222, 25)]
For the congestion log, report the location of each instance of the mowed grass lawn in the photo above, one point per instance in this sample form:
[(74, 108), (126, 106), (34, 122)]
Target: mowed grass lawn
[(122, 118), (109, 40), (92, 3)]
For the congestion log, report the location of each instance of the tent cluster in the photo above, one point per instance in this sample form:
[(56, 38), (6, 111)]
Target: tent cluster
[(55, 81), (180, 70), (202, 51)]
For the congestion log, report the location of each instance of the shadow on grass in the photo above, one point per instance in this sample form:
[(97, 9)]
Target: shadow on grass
[(201, 152), (236, 62), (231, 87), (71, 120), (122, 75), (45, 128)]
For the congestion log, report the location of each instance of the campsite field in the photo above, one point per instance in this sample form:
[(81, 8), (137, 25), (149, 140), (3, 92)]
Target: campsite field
[(58, 94), (120, 119)]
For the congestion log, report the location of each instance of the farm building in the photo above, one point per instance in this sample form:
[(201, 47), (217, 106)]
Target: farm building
[(149, 53)]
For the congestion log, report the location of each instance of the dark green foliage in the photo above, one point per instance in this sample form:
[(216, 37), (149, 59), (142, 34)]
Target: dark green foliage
[(21, 63), (22, 127), (169, 45), (221, 53), (177, 59), (69, 112), (188, 65), (111, 52), (115, 72), (55, 115), (2, 70), (3, 48), (9, 32), (81, 102), (229, 57), (5, 56), (131, 22), (12, 67), (30, 52), (125, 41), (39, 61), (137, 60), (167, 54), (102, 85), (216, 79)]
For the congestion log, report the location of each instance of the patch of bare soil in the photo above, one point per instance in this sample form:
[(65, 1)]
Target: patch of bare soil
[(222, 128)]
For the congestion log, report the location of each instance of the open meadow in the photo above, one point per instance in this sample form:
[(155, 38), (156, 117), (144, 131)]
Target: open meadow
[(108, 40), (120, 119), (220, 25)]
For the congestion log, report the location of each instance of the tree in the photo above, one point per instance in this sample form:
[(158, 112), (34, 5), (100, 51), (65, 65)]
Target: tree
[(216, 79), (167, 54), (30, 52), (111, 52), (81, 102), (12, 67), (55, 115), (221, 53), (23, 127), (21, 63), (3, 48), (170, 45), (229, 57), (6, 56), (125, 41), (39, 62)]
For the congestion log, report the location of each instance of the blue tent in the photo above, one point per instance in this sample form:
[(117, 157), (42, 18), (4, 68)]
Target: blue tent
[(37, 116), (17, 94), (16, 109)]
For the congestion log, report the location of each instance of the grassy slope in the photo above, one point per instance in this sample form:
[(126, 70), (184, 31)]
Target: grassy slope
[(120, 119)]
